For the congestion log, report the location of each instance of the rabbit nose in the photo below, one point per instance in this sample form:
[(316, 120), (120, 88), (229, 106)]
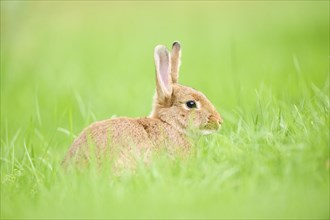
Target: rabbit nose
[(216, 118), (220, 120)]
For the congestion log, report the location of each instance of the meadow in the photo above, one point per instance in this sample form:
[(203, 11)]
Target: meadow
[(263, 64)]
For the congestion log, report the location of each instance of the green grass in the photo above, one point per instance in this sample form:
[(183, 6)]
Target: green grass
[(264, 65)]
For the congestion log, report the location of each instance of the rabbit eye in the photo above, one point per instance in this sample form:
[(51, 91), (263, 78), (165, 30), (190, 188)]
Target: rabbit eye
[(191, 104)]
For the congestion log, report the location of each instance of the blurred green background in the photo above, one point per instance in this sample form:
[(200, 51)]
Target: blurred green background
[(264, 65)]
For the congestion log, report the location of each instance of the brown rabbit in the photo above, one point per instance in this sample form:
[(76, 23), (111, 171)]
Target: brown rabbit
[(178, 111)]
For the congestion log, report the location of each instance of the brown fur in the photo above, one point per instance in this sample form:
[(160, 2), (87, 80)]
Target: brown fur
[(168, 126)]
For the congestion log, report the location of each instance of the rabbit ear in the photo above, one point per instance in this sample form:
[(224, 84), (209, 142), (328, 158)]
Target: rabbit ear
[(175, 61), (163, 76)]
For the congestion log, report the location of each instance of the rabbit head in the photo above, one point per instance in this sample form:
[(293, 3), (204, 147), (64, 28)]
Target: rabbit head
[(184, 108)]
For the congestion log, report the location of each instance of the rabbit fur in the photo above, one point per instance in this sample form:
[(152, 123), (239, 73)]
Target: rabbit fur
[(169, 125)]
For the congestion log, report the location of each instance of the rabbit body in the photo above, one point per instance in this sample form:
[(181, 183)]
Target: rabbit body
[(176, 109), (125, 136)]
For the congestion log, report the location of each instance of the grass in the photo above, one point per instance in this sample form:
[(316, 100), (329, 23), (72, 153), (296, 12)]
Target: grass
[(264, 65)]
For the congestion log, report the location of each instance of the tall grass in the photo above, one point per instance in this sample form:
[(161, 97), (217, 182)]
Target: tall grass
[(263, 64)]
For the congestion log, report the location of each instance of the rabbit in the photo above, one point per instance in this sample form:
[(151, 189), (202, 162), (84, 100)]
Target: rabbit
[(177, 111)]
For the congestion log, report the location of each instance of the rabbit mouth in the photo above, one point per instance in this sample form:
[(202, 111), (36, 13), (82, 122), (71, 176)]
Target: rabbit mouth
[(207, 132), (210, 128)]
